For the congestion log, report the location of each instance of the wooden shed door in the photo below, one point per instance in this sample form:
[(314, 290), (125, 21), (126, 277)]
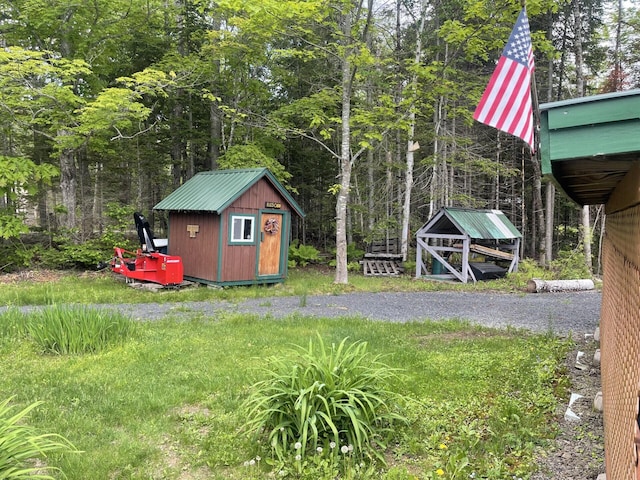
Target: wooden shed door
[(270, 244)]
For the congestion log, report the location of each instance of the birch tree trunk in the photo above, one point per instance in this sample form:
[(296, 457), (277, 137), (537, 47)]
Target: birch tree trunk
[(341, 276), (411, 145)]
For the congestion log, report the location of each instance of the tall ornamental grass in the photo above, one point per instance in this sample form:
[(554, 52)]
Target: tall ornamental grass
[(77, 329), (21, 446), (324, 400)]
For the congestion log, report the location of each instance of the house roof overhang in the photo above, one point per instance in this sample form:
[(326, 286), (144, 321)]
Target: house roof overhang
[(589, 144)]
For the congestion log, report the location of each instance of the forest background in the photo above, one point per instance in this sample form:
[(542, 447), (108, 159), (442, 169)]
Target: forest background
[(361, 108)]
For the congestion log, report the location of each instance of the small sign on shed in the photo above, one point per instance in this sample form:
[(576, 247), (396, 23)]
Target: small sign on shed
[(231, 227)]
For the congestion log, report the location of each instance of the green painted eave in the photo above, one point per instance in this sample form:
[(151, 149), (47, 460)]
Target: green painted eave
[(477, 224), (215, 190), (588, 144)]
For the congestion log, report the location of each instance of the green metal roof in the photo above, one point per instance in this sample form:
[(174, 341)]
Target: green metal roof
[(589, 144), (215, 190), (477, 224)]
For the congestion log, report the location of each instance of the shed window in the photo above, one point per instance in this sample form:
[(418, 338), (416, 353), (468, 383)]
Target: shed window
[(242, 229)]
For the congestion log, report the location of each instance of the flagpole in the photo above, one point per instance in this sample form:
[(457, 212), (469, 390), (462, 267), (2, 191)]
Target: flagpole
[(535, 104)]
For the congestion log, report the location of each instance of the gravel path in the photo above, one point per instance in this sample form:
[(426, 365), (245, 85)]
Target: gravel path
[(560, 313)]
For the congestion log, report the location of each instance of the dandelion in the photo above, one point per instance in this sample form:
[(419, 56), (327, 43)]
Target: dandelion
[(350, 447), (332, 445), (344, 449), (246, 463), (319, 449), (258, 458), (297, 446), (298, 457), (442, 446), (282, 429), (252, 462), (440, 472)]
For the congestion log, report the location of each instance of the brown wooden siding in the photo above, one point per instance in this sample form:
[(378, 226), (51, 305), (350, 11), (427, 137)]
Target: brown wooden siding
[(239, 262), (199, 254)]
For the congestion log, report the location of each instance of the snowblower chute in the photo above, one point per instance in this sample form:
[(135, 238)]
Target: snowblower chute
[(147, 264)]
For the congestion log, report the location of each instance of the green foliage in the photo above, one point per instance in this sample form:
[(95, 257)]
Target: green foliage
[(331, 402), (570, 264), (354, 254), (21, 444), (302, 255), (19, 175), (64, 254), (251, 156), (77, 329), (68, 255)]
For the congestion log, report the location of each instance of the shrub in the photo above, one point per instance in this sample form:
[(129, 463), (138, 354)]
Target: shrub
[(302, 255), (328, 401), (77, 329), (20, 444), (570, 264)]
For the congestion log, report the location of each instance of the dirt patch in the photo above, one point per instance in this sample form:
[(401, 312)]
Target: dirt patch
[(578, 451), (37, 276)]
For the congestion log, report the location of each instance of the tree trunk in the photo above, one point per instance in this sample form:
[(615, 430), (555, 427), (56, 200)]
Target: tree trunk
[(585, 229), (550, 207), (538, 211), (341, 276), (551, 188), (68, 187), (412, 146)]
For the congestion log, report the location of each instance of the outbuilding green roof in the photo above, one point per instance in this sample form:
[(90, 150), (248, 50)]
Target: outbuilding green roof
[(477, 224), (215, 190)]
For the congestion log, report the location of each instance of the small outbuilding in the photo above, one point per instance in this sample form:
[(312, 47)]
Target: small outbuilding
[(454, 236), (231, 227)]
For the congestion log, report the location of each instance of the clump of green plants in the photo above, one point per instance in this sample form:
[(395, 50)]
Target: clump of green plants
[(321, 410), (570, 264), (77, 329), (63, 253), (302, 255), (20, 445)]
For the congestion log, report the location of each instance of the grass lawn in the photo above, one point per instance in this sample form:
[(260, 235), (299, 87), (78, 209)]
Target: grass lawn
[(165, 403), (42, 288)]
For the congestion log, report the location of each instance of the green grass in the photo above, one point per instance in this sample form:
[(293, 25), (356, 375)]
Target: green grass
[(165, 403), (105, 287)]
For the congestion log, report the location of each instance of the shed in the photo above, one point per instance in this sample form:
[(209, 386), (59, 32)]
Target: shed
[(231, 227), (468, 233), (591, 146)]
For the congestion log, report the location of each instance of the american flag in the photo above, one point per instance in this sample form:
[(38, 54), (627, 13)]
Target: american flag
[(506, 103)]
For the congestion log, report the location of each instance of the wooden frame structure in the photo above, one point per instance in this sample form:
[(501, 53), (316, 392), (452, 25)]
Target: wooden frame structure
[(382, 259), (466, 232)]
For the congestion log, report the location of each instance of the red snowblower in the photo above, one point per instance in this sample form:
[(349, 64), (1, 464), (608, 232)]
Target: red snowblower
[(147, 264)]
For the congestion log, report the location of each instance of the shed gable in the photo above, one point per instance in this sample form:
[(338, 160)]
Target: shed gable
[(215, 190)]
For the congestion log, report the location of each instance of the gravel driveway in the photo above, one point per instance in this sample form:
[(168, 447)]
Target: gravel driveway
[(560, 313)]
